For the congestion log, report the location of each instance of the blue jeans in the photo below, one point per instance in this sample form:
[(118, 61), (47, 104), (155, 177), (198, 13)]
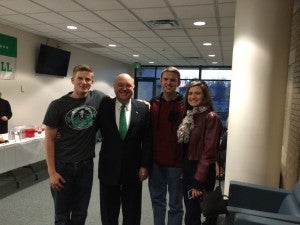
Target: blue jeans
[(161, 180), (71, 203)]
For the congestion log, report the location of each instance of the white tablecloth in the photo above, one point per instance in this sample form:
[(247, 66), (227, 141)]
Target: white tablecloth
[(18, 153)]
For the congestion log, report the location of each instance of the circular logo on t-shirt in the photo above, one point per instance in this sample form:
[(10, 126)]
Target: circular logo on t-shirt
[(81, 118)]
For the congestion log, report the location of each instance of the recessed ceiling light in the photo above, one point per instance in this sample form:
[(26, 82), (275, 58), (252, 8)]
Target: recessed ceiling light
[(199, 23), (214, 62), (207, 44), (211, 55), (71, 27), (112, 45), (151, 62), (135, 55)]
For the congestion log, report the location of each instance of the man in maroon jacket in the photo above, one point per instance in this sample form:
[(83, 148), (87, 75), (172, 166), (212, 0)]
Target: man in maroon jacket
[(166, 114)]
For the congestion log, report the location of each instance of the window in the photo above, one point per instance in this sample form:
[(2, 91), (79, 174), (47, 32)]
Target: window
[(218, 79)]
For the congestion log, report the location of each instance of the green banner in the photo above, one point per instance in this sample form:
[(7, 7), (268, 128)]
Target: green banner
[(8, 56), (8, 46)]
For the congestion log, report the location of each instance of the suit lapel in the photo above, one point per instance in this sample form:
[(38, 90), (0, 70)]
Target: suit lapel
[(112, 113), (134, 116)]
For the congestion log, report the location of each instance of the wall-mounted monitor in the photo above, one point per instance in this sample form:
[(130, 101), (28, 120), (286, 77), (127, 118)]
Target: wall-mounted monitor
[(52, 61)]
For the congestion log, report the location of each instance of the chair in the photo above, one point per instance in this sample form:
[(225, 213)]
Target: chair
[(245, 219), (263, 201)]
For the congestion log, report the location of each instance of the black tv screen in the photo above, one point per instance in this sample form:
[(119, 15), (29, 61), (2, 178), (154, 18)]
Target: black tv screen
[(52, 61)]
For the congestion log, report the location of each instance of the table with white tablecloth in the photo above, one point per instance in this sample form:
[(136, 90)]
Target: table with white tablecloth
[(19, 153)]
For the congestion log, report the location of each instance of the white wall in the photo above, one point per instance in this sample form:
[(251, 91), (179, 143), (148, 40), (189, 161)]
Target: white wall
[(30, 105)]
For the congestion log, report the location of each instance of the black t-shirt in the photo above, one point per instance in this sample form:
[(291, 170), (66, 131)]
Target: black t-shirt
[(75, 120)]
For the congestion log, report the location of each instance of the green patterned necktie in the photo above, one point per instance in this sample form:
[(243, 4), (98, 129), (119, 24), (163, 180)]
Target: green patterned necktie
[(122, 123)]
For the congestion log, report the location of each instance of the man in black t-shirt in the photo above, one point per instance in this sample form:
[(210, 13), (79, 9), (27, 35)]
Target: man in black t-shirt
[(70, 157)]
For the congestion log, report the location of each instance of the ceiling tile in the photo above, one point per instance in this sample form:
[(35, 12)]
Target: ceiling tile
[(100, 26), (194, 12), (172, 33), (114, 34), (182, 45), (116, 15), (128, 26), (227, 43), (177, 39), (50, 17), (86, 34), (76, 40), (203, 32), (82, 16), (228, 38), (142, 33), (190, 54), (100, 4), (20, 19), (189, 2), (100, 40), (227, 31), (23, 6), (202, 39), (136, 45), (59, 5), (43, 28), (154, 14), (150, 40), (124, 40), (224, 1), (227, 21), (5, 11), (227, 9), (63, 35), (135, 4)]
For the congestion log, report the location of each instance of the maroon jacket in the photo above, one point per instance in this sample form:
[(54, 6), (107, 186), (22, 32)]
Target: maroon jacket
[(204, 142), (166, 117)]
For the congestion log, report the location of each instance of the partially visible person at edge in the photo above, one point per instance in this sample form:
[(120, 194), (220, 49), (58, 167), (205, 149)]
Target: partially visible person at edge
[(166, 114), (222, 155), (70, 157), (124, 158), (5, 115), (200, 133)]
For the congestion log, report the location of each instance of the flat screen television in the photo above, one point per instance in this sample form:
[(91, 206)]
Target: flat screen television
[(52, 61)]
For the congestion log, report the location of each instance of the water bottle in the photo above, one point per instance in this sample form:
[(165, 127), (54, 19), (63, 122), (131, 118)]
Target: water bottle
[(22, 134), (11, 135)]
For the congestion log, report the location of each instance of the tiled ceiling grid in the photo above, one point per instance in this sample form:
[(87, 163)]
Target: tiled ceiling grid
[(124, 23)]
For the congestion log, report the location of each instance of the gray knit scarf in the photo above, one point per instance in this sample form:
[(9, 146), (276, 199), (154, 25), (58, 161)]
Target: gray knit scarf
[(187, 125)]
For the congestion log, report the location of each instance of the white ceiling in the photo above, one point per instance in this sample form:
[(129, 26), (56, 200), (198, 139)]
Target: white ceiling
[(123, 22)]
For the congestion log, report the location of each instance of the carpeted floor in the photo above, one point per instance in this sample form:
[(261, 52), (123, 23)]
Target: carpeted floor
[(32, 204)]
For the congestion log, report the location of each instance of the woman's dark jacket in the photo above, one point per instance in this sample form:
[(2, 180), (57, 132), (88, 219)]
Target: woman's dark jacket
[(204, 142)]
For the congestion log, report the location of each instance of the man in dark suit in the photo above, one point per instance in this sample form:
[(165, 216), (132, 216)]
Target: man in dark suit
[(124, 161)]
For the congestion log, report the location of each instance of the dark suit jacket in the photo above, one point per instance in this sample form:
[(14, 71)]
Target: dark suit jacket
[(120, 160)]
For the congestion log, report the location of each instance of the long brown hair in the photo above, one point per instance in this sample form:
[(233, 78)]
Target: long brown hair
[(207, 100)]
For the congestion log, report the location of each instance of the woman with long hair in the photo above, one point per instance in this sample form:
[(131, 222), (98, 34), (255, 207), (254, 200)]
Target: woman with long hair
[(200, 133)]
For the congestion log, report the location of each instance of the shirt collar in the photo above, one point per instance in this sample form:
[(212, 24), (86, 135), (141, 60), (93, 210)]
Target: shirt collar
[(119, 104)]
